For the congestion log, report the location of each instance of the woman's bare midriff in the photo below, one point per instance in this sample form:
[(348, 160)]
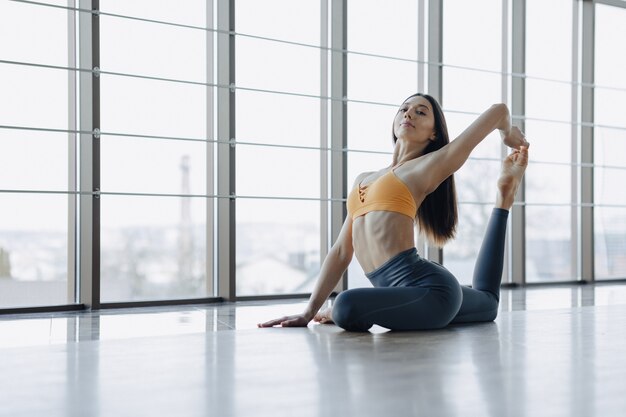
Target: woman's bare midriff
[(380, 235)]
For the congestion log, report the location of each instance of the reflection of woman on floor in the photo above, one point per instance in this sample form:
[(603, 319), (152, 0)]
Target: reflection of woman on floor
[(412, 293)]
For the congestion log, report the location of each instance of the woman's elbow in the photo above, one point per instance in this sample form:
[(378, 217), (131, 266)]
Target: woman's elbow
[(501, 107), (503, 115), (342, 254)]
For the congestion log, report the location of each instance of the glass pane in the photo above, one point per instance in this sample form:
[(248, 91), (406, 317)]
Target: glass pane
[(490, 147), (194, 12), (469, 44), (384, 28), (370, 126), (33, 33), (610, 29), (165, 51), (609, 185), (263, 171), (33, 250), (461, 253), (610, 243), (33, 160), (476, 182), (549, 142), (152, 165), (296, 21), (395, 27), (34, 227), (548, 184), (609, 144), (548, 229), (276, 66), (549, 39), (33, 97), (548, 244), (148, 107), (470, 91), (609, 107), (610, 67), (278, 246), (548, 100), (381, 80), (292, 120), (153, 248), (609, 147)]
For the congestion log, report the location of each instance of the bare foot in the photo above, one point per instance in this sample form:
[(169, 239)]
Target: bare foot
[(513, 168), (324, 316)]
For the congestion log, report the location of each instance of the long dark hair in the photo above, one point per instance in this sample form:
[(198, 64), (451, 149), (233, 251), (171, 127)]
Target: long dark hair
[(437, 216)]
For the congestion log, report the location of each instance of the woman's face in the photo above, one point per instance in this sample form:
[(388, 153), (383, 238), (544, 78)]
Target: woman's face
[(415, 121)]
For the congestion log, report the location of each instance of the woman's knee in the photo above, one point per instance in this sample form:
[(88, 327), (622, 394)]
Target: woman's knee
[(492, 305), (491, 316)]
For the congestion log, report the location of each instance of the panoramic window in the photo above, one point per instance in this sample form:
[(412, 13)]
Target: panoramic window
[(278, 186), (154, 151), (471, 84), (549, 130), (36, 156), (610, 144), (158, 161)]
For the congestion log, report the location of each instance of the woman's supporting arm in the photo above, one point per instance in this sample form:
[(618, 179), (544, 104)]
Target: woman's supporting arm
[(335, 264)]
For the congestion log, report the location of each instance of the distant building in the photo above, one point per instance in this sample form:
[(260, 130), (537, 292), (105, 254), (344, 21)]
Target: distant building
[(5, 264), (269, 276), (185, 235)]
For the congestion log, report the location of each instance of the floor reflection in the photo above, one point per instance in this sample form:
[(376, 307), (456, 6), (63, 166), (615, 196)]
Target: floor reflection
[(60, 328)]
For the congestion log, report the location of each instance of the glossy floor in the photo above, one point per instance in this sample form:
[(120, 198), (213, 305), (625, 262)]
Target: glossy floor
[(551, 352)]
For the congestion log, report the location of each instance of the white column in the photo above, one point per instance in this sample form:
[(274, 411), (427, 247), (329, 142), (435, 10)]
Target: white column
[(518, 99), (435, 75), (210, 153), (338, 114), (226, 249), (586, 151)]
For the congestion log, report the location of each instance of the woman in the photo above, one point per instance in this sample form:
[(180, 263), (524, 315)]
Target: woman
[(411, 293)]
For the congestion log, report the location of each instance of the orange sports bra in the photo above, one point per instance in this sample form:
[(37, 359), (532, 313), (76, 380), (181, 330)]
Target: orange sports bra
[(386, 193)]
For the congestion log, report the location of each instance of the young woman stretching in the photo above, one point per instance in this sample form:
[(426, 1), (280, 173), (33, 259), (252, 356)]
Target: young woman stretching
[(412, 293)]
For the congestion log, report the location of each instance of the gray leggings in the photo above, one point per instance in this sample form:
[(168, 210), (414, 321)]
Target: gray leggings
[(412, 293)]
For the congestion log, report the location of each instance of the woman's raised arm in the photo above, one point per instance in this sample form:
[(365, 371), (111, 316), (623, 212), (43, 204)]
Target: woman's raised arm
[(447, 160)]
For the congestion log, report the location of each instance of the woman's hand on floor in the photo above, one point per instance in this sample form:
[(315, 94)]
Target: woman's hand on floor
[(297, 320)]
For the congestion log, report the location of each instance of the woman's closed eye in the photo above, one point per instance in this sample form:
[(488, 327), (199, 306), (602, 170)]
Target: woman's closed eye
[(418, 112)]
